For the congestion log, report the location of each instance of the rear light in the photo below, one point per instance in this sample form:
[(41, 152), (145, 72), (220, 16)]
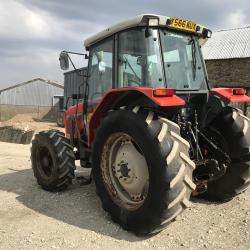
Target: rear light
[(239, 91), (163, 92)]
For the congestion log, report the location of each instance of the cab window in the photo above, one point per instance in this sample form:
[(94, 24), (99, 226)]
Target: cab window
[(100, 69), (139, 62)]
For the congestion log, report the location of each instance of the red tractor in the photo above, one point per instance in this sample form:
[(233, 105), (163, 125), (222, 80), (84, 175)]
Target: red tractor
[(149, 126)]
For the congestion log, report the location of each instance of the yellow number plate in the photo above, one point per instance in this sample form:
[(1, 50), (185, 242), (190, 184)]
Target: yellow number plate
[(182, 24)]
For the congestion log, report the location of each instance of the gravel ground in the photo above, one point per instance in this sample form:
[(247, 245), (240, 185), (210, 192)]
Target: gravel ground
[(31, 218)]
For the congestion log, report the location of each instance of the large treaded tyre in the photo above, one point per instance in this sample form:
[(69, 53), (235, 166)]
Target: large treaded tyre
[(234, 127), (169, 166), (53, 160)]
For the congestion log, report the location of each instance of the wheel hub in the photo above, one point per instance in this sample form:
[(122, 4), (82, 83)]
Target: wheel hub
[(131, 169), (128, 171), (45, 161), (124, 169)]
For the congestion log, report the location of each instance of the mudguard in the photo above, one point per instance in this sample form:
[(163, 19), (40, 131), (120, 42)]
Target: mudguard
[(72, 115), (111, 97), (230, 94), (219, 99)]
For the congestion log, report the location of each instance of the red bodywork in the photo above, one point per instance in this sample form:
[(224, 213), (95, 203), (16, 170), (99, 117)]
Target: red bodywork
[(103, 107), (229, 96), (105, 104), (70, 113)]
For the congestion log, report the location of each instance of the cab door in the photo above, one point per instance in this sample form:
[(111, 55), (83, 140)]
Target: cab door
[(100, 71)]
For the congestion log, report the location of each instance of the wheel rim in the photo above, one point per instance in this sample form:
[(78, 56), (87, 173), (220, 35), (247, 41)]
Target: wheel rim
[(125, 171), (45, 161)]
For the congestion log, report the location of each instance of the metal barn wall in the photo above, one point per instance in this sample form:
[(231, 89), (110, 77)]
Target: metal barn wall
[(34, 98), (72, 81), (33, 93)]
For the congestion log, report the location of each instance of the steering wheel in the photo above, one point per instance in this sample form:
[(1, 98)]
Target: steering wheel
[(133, 80), (94, 94)]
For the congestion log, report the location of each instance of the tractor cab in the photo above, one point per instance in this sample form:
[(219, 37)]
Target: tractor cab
[(147, 51), (144, 53)]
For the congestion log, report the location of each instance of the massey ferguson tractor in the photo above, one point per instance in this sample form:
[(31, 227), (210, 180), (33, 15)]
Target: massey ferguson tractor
[(148, 125)]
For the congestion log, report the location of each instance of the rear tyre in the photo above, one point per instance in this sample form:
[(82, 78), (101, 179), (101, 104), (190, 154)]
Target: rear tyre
[(142, 170), (234, 127), (53, 160)]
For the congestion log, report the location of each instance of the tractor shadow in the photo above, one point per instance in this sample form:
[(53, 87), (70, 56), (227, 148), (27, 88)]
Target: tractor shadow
[(78, 206), (203, 199)]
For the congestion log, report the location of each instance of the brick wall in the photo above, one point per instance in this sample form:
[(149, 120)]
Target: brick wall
[(228, 71)]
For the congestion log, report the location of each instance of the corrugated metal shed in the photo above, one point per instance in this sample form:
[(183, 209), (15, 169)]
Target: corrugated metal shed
[(226, 44), (36, 92), (73, 80)]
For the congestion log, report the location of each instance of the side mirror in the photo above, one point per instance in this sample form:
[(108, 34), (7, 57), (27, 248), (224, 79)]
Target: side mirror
[(64, 60), (102, 66)]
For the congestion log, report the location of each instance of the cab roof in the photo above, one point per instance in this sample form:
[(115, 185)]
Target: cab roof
[(136, 21)]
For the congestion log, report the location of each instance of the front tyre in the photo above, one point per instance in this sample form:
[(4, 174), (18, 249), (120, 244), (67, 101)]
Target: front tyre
[(53, 160), (142, 169)]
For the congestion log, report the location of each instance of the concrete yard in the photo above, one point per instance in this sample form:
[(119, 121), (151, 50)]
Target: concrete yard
[(31, 218)]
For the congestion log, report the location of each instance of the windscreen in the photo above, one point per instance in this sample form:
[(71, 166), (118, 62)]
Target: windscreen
[(182, 61)]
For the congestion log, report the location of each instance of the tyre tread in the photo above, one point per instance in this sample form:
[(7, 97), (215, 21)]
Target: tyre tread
[(65, 158)]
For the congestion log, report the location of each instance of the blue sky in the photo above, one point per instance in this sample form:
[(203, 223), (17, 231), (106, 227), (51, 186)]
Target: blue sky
[(33, 32)]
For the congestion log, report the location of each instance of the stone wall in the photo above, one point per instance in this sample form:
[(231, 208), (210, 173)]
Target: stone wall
[(231, 73), (234, 72)]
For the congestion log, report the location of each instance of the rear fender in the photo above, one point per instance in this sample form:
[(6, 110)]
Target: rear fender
[(128, 96), (219, 101), (228, 94)]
